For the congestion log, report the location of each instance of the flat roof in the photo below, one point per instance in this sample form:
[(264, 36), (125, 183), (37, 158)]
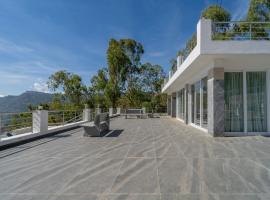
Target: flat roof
[(159, 158)]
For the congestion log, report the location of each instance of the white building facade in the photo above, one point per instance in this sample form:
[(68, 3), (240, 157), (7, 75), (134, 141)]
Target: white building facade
[(223, 86)]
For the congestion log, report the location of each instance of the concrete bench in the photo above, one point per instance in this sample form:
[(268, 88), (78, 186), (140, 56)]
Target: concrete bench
[(100, 126)]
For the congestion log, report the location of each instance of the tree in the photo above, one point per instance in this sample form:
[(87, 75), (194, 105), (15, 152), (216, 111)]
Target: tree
[(216, 13), (133, 50), (152, 78), (71, 85), (117, 70), (97, 89), (123, 58), (259, 11)]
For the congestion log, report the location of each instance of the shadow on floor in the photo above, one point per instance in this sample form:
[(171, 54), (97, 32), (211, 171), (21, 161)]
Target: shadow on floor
[(114, 133), (16, 148)]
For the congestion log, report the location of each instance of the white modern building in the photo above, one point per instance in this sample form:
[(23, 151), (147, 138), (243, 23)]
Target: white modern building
[(223, 86)]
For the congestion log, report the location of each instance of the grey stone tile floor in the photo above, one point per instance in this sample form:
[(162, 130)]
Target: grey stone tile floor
[(159, 158)]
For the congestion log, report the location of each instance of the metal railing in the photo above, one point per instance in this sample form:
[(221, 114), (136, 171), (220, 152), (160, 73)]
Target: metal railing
[(15, 123), (241, 30), (63, 117)]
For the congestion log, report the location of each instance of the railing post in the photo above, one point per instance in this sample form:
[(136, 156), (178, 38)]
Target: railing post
[(40, 121), (110, 112), (98, 111), (118, 111), (87, 114), (143, 110)]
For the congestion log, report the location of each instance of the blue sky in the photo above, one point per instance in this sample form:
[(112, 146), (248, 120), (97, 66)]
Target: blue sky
[(38, 38)]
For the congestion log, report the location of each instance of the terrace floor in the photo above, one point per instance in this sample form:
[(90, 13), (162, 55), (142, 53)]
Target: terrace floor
[(142, 159)]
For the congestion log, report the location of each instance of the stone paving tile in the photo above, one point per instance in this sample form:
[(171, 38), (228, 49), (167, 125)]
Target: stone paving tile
[(145, 149), (165, 149), (130, 197), (93, 176), (74, 197), (174, 196), (137, 175), (177, 176), (23, 197)]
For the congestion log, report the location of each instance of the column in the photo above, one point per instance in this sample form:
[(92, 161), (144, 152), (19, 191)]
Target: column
[(169, 106), (40, 121), (187, 87), (189, 104), (87, 114), (216, 102), (173, 104)]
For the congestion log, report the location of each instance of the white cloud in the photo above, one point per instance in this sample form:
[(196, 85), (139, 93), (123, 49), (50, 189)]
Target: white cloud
[(40, 86), (1, 95), (10, 47)]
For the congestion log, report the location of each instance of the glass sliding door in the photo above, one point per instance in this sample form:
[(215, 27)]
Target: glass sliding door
[(204, 103), (233, 93), (192, 103), (178, 104), (181, 103), (198, 103), (256, 102)]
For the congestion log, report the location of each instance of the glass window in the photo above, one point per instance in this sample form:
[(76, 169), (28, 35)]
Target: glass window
[(181, 104), (256, 102), (233, 94), (178, 104), (205, 102), (198, 103)]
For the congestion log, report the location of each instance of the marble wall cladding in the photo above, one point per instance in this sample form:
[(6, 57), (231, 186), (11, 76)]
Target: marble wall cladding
[(216, 107), (219, 108)]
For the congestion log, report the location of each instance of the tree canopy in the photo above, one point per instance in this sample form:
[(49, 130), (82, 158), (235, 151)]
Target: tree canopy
[(259, 11), (216, 13), (70, 84)]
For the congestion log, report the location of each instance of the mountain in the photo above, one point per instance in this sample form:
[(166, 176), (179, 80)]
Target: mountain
[(19, 103)]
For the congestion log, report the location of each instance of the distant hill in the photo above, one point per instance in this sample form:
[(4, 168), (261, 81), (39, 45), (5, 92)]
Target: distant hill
[(19, 103)]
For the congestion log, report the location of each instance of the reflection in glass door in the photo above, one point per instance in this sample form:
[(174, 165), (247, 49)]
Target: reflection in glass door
[(256, 102), (205, 103), (233, 93), (198, 103)]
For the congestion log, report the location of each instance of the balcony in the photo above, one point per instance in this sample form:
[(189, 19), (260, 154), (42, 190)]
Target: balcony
[(231, 42)]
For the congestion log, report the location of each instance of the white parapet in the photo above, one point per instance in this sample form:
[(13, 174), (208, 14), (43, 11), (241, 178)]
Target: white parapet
[(180, 60), (40, 121), (118, 112)]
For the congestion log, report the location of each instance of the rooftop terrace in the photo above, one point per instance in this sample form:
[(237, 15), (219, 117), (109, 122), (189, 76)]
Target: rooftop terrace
[(157, 158)]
